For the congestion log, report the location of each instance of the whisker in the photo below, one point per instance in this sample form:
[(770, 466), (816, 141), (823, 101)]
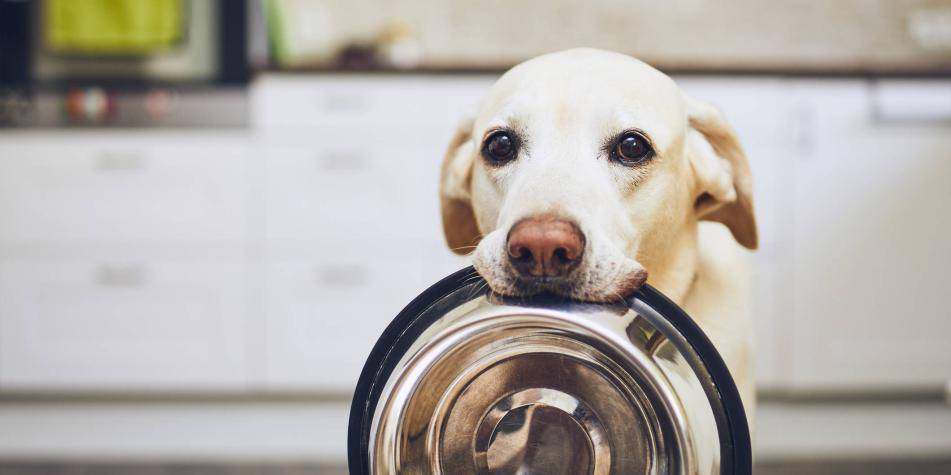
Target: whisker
[(462, 248)]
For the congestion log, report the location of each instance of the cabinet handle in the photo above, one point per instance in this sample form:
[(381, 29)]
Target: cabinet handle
[(120, 161), (347, 103), (129, 275), (341, 161), (911, 102), (343, 276), (803, 121)]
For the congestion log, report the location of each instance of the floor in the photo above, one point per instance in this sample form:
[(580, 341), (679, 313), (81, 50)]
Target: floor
[(309, 432), (906, 467)]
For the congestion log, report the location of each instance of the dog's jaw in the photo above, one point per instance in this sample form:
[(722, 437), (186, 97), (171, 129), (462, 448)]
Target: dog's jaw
[(606, 276)]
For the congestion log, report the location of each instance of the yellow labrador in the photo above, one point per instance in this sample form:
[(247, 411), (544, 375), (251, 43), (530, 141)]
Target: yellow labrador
[(586, 173)]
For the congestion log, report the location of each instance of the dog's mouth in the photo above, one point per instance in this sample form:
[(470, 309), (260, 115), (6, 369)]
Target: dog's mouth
[(579, 285), (605, 274), (561, 286)]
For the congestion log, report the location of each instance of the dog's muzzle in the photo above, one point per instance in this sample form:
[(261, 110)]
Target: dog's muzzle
[(466, 382)]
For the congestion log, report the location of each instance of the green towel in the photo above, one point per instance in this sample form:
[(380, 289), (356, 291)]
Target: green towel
[(300, 32), (113, 26)]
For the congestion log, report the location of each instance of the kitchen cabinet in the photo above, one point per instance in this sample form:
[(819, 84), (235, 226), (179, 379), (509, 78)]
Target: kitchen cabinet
[(270, 259), (107, 186), (326, 303), (351, 223), (872, 179), (123, 261), (123, 318), (342, 184)]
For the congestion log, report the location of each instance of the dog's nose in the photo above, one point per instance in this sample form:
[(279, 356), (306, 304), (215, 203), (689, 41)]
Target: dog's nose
[(545, 247)]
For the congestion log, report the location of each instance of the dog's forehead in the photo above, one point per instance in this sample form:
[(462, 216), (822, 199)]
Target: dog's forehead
[(586, 86)]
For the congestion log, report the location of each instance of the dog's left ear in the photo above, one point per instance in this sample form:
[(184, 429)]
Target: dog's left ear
[(724, 187)]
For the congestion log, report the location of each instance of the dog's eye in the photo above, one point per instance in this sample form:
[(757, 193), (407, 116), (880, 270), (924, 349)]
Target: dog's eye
[(632, 148), (500, 147)]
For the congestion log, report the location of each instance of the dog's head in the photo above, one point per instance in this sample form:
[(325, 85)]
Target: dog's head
[(579, 171)]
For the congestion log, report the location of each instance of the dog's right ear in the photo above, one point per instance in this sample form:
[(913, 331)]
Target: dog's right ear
[(455, 191), (722, 171)]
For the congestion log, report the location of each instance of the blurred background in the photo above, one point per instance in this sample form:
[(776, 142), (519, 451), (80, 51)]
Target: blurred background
[(209, 210)]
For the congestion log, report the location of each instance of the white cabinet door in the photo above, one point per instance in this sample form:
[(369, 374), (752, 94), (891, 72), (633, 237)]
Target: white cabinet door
[(346, 183), (122, 260), (871, 219), (352, 223), (123, 319), (107, 185), (327, 302)]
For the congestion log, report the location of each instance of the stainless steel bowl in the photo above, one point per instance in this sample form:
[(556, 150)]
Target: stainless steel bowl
[(464, 381)]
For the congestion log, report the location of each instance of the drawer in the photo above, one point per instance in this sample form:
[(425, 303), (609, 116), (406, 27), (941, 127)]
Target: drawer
[(128, 320), (122, 186), (326, 306), (281, 101), (345, 185)]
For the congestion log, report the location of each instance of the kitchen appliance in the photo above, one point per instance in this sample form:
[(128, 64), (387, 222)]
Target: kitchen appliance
[(466, 381), (123, 63)]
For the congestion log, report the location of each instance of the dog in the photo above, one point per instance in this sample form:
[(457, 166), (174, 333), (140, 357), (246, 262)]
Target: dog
[(586, 173)]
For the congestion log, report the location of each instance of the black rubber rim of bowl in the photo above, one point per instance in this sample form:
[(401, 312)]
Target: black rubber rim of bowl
[(736, 450)]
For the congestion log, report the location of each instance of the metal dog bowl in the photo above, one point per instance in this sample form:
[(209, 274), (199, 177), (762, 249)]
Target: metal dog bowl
[(464, 382)]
